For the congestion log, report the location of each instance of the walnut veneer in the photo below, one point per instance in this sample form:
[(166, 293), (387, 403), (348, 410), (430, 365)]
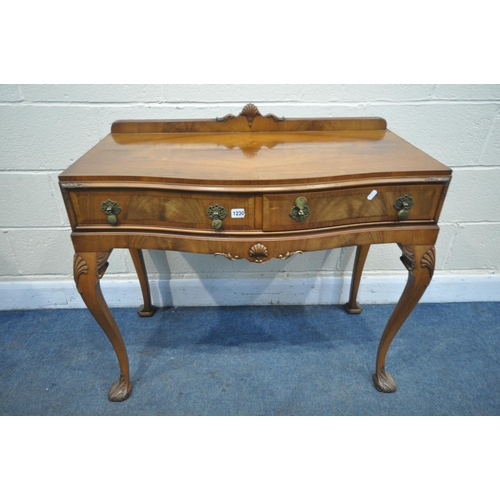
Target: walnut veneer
[(252, 187)]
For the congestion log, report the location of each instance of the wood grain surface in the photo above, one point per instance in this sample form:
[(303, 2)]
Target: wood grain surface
[(252, 158)]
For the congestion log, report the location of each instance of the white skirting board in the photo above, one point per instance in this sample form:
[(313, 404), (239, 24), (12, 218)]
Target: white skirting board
[(249, 292)]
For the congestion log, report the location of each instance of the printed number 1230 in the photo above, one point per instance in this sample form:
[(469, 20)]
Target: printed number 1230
[(237, 213)]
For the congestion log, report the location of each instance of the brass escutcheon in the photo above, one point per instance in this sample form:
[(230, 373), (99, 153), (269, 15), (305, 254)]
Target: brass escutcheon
[(300, 211), (403, 205), (111, 209), (217, 213)]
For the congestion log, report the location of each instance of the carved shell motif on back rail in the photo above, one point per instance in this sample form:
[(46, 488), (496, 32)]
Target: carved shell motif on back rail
[(250, 111)]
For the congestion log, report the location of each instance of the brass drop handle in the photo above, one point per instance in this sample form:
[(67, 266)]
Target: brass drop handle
[(300, 211), (403, 205), (111, 209), (217, 213)]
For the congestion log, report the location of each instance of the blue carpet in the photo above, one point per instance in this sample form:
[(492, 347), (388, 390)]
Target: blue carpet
[(274, 360)]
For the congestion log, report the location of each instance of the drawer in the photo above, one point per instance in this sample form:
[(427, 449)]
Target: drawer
[(162, 209), (350, 206)]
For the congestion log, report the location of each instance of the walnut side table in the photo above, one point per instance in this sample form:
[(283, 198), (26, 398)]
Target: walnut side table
[(253, 187)]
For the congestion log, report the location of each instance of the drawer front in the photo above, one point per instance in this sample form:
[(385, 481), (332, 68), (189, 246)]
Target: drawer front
[(350, 206), (155, 208)]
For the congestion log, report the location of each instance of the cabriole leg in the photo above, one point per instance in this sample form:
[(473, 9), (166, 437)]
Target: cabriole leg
[(89, 267), (147, 309), (352, 306), (420, 261)]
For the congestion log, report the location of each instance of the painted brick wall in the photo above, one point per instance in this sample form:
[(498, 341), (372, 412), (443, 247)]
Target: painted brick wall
[(45, 128)]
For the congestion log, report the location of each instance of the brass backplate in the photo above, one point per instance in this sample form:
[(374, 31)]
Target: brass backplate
[(111, 209), (300, 211)]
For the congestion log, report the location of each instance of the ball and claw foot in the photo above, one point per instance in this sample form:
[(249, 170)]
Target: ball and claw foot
[(119, 390), (384, 381)]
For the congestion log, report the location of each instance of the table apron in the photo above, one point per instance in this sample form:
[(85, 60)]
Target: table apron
[(275, 245)]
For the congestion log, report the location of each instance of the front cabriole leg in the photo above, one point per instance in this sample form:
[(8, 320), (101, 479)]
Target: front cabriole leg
[(89, 267), (420, 262)]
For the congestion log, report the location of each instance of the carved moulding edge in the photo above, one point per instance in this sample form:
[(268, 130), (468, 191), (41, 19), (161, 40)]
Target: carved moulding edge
[(437, 179), (258, 251), (287, 255), (228, 255)]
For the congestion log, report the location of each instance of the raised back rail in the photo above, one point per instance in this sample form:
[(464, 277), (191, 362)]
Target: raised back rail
[(249, 120)]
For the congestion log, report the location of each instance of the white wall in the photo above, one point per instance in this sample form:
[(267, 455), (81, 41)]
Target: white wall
[(45, 128)]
